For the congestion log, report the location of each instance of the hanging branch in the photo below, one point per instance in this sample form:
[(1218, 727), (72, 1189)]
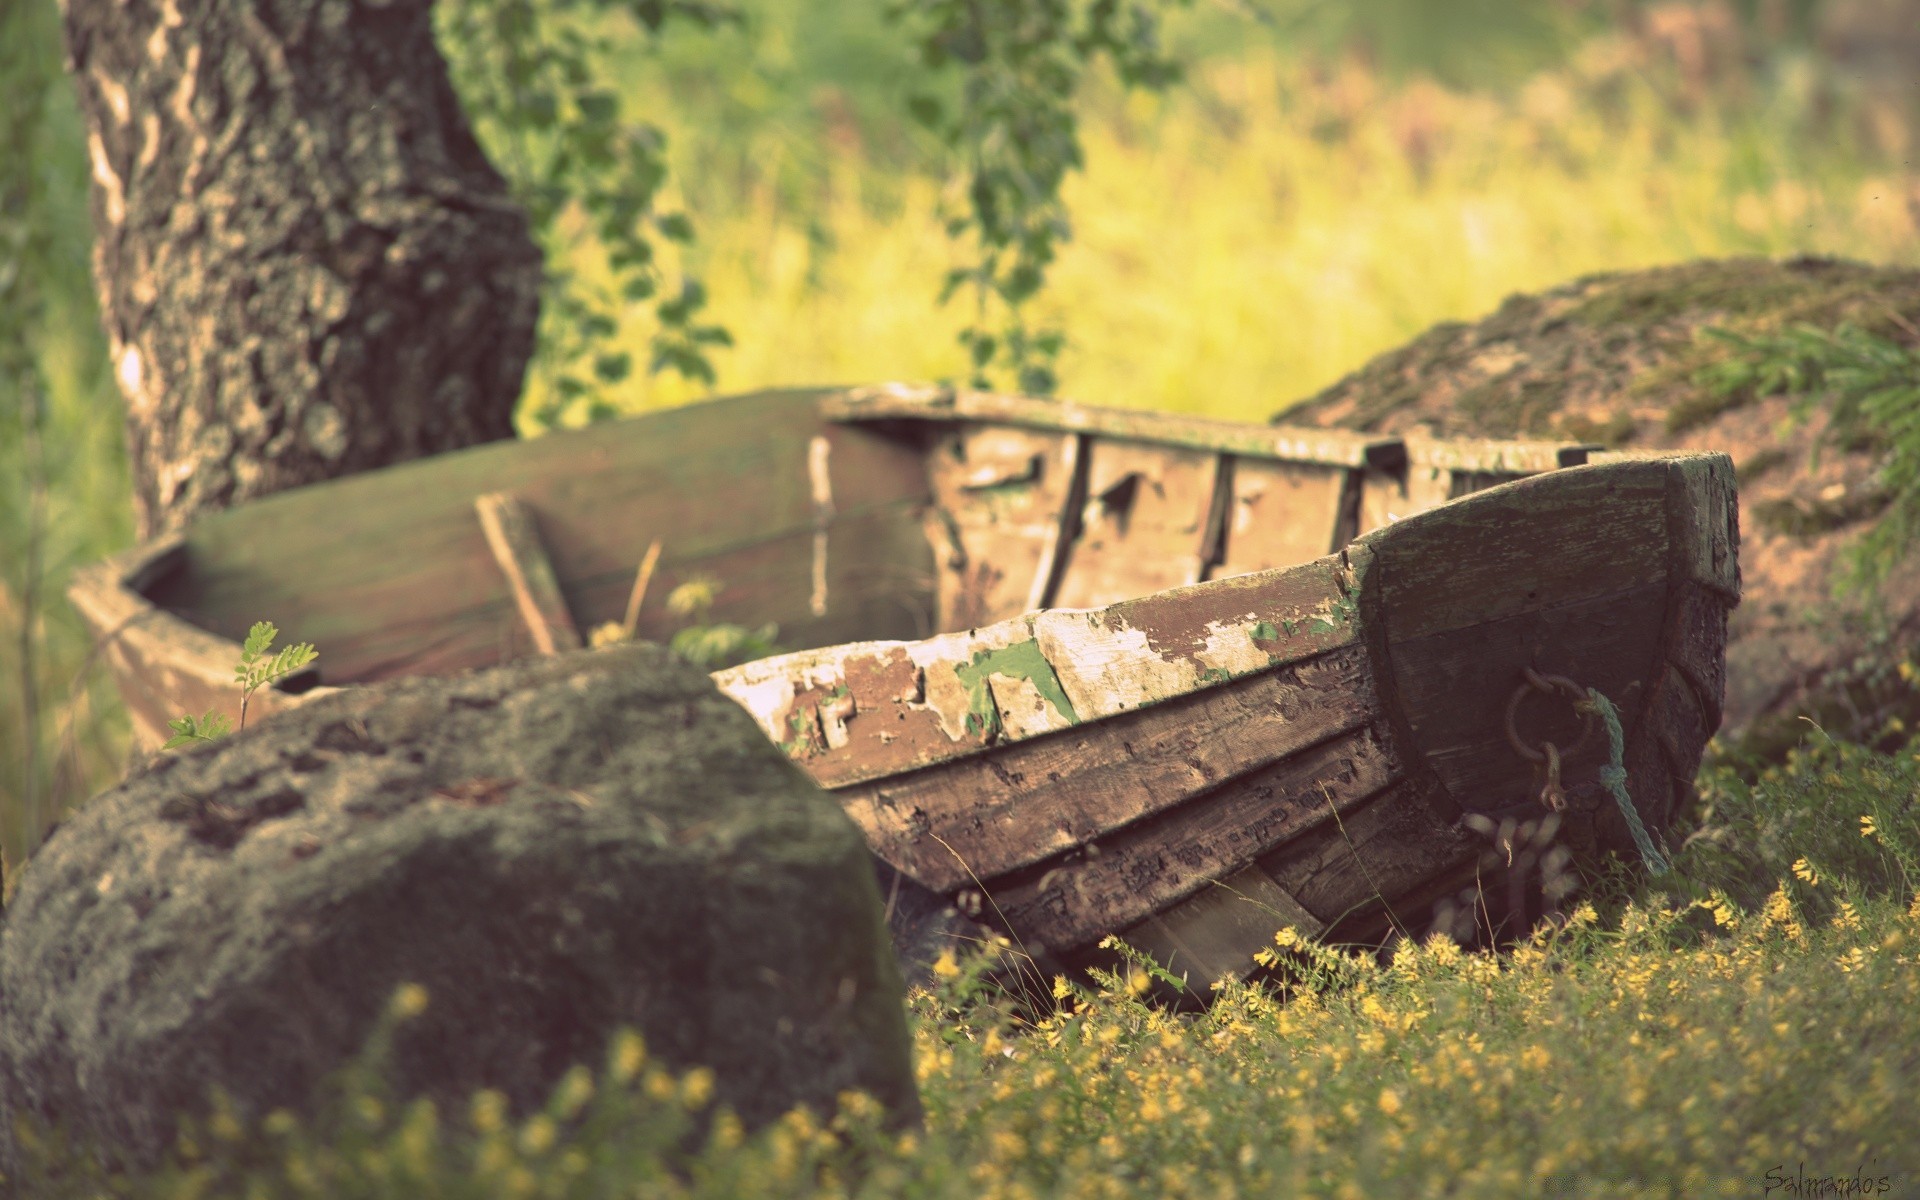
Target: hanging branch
[(532, 74), (1008, 123)]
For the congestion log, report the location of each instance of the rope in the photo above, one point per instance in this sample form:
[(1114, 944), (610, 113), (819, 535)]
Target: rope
[(1613, 777)]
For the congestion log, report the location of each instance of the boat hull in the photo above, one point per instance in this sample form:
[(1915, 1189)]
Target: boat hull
[(1148, 717)]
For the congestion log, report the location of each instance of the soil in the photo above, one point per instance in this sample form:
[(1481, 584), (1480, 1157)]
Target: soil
[(1616, 360)]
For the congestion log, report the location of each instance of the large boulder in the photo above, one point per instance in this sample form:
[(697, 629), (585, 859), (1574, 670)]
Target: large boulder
[(554, 849), (1623, 360)]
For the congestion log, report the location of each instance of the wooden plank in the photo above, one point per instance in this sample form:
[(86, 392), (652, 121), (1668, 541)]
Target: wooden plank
[(1488, 456), (1001, 501), (1146, 868), (1385, 848), (909, 402), (859, 711), (514, 539), (1281, 514), (1214, 933), (986, 814), (1454, 687), (321, 559), (1703, 506), (1548, 540), (1144, 526)]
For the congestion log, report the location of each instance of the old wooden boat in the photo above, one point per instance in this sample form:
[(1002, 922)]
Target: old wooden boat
[(1075, 671)]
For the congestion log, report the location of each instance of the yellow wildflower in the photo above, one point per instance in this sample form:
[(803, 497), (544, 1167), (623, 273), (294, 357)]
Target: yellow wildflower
[(1804, 872), (945, 967), (1389, 1101), (1867, 827)]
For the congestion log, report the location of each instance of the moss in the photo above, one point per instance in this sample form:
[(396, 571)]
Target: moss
[(1614, 432), (1797, 516), (1603, 345), (1760, 463)]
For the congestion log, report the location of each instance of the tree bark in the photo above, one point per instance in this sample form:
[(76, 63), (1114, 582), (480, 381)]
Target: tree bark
[(307, 267)]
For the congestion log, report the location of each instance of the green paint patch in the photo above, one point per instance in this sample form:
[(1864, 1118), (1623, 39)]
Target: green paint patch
[(1022, 660), (1339, 611), (805, 742), (1216, 675), (1267, 631)]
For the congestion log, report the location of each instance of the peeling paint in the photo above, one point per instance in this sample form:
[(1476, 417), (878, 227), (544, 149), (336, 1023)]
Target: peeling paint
[(1230, 647), (1022, 660), (1108, 669)]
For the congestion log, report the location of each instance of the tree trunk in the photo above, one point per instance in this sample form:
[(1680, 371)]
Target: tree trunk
[(307, 266)]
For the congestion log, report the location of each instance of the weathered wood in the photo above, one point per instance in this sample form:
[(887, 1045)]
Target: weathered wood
[(920, 403), (1371, 857), (323, 562), (1455, 687), (1003, 501), (1069, 902), (1214, 933), (1463, 563), (1493, 457), (514, 539), (871, 709), (1144, 525), (1281, 513), (1091, 770), (982, 815)]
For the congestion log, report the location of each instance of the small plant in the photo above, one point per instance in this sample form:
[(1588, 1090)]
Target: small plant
[(254, 670), (1871, 386), (717, 645)]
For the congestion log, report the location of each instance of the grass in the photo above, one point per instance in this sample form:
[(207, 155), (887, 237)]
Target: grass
[(1748, 1020)]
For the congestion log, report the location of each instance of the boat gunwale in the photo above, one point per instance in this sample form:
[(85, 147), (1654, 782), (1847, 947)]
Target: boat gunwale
[(1277, 442)]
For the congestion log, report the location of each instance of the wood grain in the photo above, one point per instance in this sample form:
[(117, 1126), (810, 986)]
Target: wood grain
[(1147, 867), (986, 814), (1280, 514), (1144, 525), (1214, 933), (514, 538), (321, 561)]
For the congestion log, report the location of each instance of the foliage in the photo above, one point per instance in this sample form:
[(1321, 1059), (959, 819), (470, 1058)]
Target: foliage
[(1012, 129), (256, 669), (1721, 1030), (1868, 386), (63, 489), (712, 645), (532, 74)]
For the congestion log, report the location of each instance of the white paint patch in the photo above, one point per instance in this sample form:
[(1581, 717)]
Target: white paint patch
[(768, 701), (1024, 712), (1230, 647), (1107, 670), (822, 483), (938, 657)]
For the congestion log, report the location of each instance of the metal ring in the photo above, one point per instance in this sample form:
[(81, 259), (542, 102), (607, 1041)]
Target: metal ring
[(1547, 684)]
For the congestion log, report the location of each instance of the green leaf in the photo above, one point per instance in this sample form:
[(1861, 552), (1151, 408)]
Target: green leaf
[(675, 227), (612, 368), (600, 107)]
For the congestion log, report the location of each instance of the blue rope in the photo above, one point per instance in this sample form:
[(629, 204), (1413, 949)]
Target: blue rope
[(1613, 777)]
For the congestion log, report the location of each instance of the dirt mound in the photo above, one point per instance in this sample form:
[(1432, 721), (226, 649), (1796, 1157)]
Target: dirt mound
[(1623, 360)]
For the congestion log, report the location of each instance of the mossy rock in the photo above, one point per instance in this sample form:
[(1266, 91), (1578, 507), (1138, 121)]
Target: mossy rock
[(554, 850), (1621, 360)]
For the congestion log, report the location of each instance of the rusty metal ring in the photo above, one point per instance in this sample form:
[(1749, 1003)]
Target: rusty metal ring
[(1548, 684)]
